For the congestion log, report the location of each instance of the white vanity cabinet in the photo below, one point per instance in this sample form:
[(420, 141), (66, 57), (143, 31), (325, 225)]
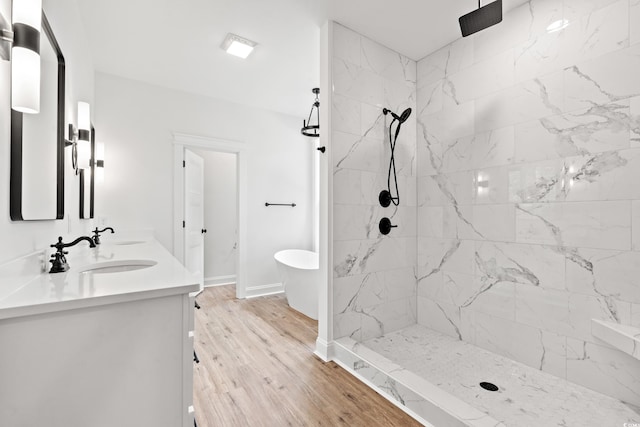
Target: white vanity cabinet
[(102, 360)]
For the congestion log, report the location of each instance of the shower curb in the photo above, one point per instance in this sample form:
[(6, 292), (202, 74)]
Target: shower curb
[(427, 403)]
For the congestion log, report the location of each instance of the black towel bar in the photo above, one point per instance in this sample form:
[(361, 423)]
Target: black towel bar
[(293, 205)]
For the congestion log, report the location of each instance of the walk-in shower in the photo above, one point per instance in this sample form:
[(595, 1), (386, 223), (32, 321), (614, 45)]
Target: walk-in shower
[(493, 302)]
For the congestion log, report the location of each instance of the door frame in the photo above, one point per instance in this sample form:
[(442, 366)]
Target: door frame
[(183, 141)]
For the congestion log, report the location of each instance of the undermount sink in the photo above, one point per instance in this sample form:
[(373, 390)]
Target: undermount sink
[(127, 242), (118, 266)]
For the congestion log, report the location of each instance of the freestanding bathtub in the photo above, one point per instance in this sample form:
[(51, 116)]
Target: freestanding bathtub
[(300, 276)]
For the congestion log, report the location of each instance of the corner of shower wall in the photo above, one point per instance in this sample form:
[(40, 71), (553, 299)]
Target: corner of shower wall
[(527, 161), (374, 276)]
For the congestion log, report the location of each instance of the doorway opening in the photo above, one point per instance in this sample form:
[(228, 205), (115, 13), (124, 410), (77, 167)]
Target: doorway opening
[(220, 216), (201, 218)]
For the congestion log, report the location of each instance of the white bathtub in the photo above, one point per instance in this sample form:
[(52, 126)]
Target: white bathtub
[(300, 276)]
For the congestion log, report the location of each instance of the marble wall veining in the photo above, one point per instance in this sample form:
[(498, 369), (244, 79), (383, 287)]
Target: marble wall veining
[(374, 280), (528, 195)]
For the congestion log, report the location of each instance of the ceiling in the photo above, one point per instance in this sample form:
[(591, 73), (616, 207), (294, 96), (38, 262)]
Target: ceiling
[(414, 28), (176, 44)]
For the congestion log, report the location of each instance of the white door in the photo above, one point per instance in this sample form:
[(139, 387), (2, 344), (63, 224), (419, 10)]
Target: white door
[(194, 214)]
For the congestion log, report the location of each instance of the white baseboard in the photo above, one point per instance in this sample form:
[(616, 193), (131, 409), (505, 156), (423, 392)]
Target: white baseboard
[(220, 280), (264, 290), (324, 350)]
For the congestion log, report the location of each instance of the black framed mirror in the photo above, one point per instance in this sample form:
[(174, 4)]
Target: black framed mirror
[(88, 183), (37, 142)]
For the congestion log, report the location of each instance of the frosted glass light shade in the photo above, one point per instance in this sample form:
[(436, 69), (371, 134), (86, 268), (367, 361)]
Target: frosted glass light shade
[(28, 12), (25, 56), (84, 154), (25, 80), (84, 116), (84, 135)]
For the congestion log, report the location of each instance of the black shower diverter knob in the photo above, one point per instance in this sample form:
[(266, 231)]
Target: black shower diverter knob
[(385, 226)]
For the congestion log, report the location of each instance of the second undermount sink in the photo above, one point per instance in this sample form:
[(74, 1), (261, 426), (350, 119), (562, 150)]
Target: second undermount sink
[(118, 266), (127, 242)]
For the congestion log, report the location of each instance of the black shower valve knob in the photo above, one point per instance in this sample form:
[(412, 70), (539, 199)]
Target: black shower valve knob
[(384, 198), (385, 226)]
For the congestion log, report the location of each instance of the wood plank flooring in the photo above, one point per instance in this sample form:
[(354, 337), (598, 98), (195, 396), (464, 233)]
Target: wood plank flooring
[(257, 368)]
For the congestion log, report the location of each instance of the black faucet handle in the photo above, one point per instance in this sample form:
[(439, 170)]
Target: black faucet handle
[(58, 253), (59, 245)]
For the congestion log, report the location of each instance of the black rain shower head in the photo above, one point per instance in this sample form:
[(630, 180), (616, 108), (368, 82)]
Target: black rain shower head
[(483, 17), (402, 118)]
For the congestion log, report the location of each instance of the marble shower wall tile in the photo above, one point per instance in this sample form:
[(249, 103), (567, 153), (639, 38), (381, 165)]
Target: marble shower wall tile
[(446, 61), (528, 159), (635, 315), (591, 31), (536, 348), (388, 317), (603, 80), (596, 129), (532, 99), (604, 225), (375, 280), (535, 266), (604, 369), (605, 273), (442, 317), (634, 20), (635, 225), (480, 79), (483, 150)]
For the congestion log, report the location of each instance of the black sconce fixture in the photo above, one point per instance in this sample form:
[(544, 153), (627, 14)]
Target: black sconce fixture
[(80, 139)]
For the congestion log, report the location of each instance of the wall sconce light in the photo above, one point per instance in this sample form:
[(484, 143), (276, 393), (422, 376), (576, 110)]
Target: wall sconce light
[(100, 162), (80, 139), (24, 39), (84, 135), (483, 183)]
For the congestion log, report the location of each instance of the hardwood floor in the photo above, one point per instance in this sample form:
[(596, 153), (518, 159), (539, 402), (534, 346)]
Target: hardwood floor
[(257, 368)]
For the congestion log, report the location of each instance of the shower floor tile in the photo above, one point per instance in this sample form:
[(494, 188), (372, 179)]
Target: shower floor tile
[(526, 396)]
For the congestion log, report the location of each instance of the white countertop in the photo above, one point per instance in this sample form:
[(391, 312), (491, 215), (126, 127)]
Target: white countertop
[(25, 292)]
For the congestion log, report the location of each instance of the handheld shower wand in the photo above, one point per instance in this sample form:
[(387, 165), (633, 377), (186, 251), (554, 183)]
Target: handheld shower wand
[(386, 198)]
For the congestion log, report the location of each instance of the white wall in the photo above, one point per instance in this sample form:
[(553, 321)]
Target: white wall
[(22, 237), (220, 216), (136, 121)]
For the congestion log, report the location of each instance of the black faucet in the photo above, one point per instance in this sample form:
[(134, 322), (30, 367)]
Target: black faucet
[(58, 260), (96, 234)]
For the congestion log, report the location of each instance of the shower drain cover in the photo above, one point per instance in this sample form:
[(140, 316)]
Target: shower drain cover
[(489, 386)]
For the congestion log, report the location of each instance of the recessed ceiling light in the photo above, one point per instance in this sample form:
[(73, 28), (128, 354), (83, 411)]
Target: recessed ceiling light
[(558, 25), (238, 46)]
